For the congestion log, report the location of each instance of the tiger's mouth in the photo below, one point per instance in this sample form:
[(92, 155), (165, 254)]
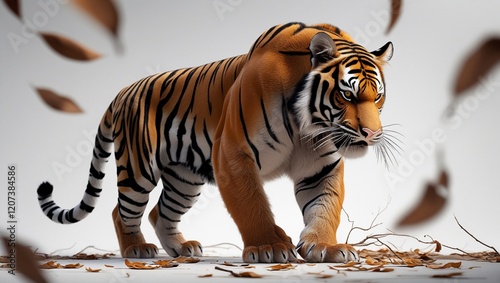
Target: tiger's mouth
[(351, 146)]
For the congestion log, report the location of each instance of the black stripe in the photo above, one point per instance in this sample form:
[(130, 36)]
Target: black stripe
[(166, 197), (85, 207), (206, 134), (47, 205), (245, 131), (312, 201), (123, 197), (162, 215), (50, 213), (313, 94), (122, 208), (70, 218), (277, 31), (271, 132), (307, 181), (91, 190), (312, 186), (96, 174)]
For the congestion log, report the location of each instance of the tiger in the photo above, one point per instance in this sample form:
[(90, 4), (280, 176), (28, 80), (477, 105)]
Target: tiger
[(303, 98)]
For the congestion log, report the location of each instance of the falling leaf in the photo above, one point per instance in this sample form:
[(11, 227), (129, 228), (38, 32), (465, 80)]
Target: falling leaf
[(247, 274), (92, 270), (438, 246), (431, 203), (445, 266), (13, 7), (395, 13), (109, 266), (139, 265), (26, 261), (69, 48), (447, 275), (477, 64), (103, 11), (58, 102)]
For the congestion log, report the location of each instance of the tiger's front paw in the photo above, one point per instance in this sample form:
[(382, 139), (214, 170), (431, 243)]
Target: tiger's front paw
[(278, 252), (320, 252)]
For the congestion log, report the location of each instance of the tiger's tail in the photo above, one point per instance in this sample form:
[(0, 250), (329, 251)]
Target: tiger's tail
[(102, 151)]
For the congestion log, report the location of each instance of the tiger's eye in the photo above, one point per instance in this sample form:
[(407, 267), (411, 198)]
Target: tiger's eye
[(347, 95)]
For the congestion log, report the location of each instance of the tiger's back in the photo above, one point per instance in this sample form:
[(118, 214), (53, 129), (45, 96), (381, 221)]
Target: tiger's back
[(170, 118)]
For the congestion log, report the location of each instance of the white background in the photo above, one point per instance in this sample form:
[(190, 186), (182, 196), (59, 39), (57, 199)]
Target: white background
[(430, 40)]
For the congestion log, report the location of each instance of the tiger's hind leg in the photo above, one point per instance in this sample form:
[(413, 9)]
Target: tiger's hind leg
[(133, 196), (181, 189)]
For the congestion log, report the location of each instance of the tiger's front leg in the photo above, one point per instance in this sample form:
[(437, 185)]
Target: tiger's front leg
[(243, 194), (320, 197)]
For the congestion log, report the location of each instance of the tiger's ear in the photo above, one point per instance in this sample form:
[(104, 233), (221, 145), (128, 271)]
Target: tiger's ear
[(322, 49), (384, 53)]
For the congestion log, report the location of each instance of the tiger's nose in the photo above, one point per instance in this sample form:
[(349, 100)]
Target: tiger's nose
[(369, 134)]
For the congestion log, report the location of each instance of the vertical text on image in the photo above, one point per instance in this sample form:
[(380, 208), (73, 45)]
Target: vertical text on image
[(11, 216)]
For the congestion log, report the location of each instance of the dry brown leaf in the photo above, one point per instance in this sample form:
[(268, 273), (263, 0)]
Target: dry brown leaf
[(139, 265), (58, 102), (109, 266), (92, 270), (72, 266), (166, 263), (103, 11), (447, 275), (69, 48), (247, 274), (26, 261), (205, 275), (477, 64), (50, 265), (445, 266), (281, 266), (185, 259), (372, 261), (395, 13), (431, 203), (13, 7)]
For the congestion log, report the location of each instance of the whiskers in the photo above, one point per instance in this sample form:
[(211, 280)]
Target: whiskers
[(336, 137), (324, 136), (388, 146)]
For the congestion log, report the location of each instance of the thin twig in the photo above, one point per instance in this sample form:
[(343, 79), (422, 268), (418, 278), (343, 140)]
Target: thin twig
[(387, 246), (372, 224), (473, 237)]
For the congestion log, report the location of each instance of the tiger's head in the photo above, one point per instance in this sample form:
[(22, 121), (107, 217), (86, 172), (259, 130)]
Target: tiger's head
[(339, 102)]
